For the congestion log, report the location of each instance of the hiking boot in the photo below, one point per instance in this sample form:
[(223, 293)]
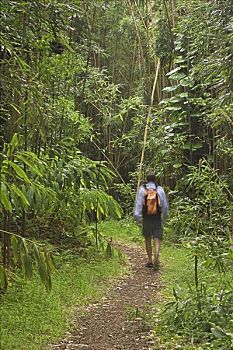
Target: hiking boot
[(149, 265), (156, 266)]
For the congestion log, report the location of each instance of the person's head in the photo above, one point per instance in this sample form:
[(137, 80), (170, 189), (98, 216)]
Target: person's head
[(151, 177)]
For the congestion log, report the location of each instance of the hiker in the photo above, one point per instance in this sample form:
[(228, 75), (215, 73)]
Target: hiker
[(151, 209)]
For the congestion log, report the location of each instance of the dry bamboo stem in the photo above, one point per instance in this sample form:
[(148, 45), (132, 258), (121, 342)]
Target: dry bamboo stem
[(147, 123)]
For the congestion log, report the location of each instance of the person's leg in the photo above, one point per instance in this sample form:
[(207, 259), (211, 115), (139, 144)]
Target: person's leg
[(156, 250), (148, 248)]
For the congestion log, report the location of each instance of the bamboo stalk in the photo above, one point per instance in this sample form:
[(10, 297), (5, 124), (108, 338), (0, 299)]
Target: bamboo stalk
[(147, 123), (142, 60)]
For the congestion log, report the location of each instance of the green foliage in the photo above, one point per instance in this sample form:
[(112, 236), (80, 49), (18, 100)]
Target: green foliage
[(203, 219), (126, 196), (207, 316), (73, 187), (25, 254), (102, 203), (14, 179), (189, 317), (80, 186), (13, 198)]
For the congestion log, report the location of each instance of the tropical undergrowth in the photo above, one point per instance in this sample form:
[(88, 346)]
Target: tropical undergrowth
[(47, 198), (200, 311), (190, 317)]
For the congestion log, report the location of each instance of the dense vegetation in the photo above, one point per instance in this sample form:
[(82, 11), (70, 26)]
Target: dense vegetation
[(95, 93)]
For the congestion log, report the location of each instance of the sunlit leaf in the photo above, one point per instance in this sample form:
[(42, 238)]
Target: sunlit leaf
[(177, 165), (177, 76), (33, 167), (5, 198), (173, 71), (36, 253), (43, 272), (21, 195), (15, 248), (173, 108), (170, 88), (19, 171), (27, 266), (49, 262), (3, 278)]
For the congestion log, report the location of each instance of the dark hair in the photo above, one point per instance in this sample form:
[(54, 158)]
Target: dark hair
[(151, 178)]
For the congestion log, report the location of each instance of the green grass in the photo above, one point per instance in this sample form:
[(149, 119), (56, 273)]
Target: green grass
[(125, 230), (177, 267), (31, 318)]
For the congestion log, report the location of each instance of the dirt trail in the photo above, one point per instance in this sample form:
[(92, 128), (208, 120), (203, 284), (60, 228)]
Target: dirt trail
[(116, 322)]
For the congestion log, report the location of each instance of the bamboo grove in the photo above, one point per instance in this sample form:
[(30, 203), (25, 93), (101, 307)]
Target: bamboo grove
[(95, 92)]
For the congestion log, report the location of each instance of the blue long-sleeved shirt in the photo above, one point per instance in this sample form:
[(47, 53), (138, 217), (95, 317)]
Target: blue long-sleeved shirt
[(141, 197)]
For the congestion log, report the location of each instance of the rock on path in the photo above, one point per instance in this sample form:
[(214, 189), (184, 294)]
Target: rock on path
[(117, 321)]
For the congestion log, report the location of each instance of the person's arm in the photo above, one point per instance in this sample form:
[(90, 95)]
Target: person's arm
[(163, 201), (139, 204)]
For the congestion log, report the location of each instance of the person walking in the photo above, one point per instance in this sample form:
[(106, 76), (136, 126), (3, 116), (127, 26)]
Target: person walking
[(151, 209)]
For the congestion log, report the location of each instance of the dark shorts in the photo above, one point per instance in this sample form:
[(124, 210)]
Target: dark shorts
[(152, 226)]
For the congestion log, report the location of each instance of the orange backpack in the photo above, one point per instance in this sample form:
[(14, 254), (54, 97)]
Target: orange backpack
[(152, 202)]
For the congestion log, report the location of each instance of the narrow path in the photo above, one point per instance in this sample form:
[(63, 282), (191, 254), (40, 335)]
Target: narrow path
[(117, 322)]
